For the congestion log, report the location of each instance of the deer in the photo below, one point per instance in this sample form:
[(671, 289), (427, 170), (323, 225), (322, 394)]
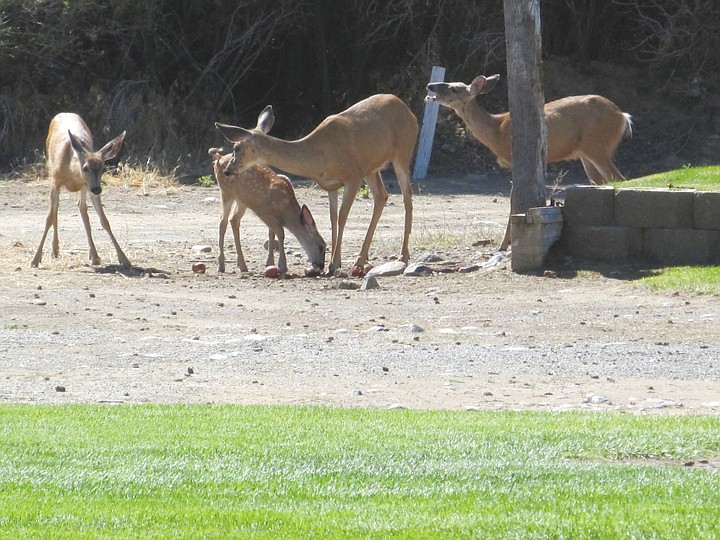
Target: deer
[(342, 151), (272, 198), (74, 165), (588, 127)]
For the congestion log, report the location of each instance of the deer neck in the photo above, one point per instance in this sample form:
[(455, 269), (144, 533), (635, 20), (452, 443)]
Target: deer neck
[(483, 125), (300, 157)]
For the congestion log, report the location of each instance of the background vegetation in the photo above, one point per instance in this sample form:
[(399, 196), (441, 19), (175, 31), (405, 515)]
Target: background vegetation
[(165, 70)]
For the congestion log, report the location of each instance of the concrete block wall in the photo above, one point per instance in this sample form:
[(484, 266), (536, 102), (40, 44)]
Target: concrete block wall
[(667, 226)]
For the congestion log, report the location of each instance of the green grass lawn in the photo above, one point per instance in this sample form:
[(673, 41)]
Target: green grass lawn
[(699, 178), (297, 472), (694, 279)]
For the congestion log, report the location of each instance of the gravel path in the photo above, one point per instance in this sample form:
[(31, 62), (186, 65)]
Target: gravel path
[(489, 339)]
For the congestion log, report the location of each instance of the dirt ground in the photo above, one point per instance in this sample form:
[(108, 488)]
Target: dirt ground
[(591, 338)]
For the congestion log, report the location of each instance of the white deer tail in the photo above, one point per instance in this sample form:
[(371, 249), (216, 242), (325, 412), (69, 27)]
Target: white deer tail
[(628, 125)]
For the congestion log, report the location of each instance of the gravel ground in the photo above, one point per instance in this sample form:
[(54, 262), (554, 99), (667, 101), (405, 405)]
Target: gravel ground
[(592, 338)]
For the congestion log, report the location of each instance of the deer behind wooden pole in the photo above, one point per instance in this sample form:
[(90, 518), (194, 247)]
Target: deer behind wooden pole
[(272, 197), (74, 165), (588, 128)]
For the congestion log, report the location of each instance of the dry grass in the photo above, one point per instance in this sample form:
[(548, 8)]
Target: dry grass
[(147, 177)]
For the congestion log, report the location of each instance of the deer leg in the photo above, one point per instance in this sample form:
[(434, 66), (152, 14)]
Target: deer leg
[(608, 170), (82, 206), (235, 225), (97, 204), (593, 174), (507, 239), (226, 207), (603, 165), (282, 261), (351, 189), (380, 197), (333, 199), (50, 221), (403, 178), (270, 259)]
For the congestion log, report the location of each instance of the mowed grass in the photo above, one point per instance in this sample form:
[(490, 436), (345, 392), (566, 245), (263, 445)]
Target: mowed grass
[(296, 472), (693, 279), (698, 178)]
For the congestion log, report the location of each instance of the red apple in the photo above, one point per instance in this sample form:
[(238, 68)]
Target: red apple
[(272, 271), (199, 268)]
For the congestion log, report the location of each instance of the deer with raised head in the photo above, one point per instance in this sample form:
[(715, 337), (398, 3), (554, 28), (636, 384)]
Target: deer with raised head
[(588, 128), (272, 197), (74, 165), (340, 152)]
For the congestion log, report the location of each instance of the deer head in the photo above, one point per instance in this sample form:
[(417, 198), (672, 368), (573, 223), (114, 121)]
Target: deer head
[(455, 95), (245, 154)]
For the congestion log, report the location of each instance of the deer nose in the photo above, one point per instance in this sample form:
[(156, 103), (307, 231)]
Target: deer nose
[(96, 190)]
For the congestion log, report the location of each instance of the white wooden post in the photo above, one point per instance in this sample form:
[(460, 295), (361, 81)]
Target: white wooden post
[(427, 133)]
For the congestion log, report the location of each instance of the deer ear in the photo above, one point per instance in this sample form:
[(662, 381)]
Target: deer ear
[(490, 83), (233, 133), (77, 145), (483, 85), (215, 153), (265, 119), (111, 149), (306, 217)]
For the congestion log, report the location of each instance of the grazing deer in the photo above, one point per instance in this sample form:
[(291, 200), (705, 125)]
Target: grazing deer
[(272, 198), (585, 127), (340, 152), (74, 165)]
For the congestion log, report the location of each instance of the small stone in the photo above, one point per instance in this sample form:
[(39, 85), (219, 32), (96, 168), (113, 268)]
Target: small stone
[(348, 285), (396, 406), (494, 261), (469, 268), (392, 268), (417, 270), (59, 388), (369, 282), (429, 257), (595, 399), (414, 328), (202, 248)]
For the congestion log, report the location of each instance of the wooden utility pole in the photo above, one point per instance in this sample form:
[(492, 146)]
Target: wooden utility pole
[(527, 101)]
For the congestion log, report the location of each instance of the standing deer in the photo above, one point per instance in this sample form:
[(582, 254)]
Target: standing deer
[(272, 198), (74, 165), (585, 127), (340, 152)]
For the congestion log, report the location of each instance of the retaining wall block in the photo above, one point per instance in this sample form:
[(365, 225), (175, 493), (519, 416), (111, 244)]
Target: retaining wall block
[(654, 208), (602, 242), (682, 246), (707, 210), (589, 205)]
